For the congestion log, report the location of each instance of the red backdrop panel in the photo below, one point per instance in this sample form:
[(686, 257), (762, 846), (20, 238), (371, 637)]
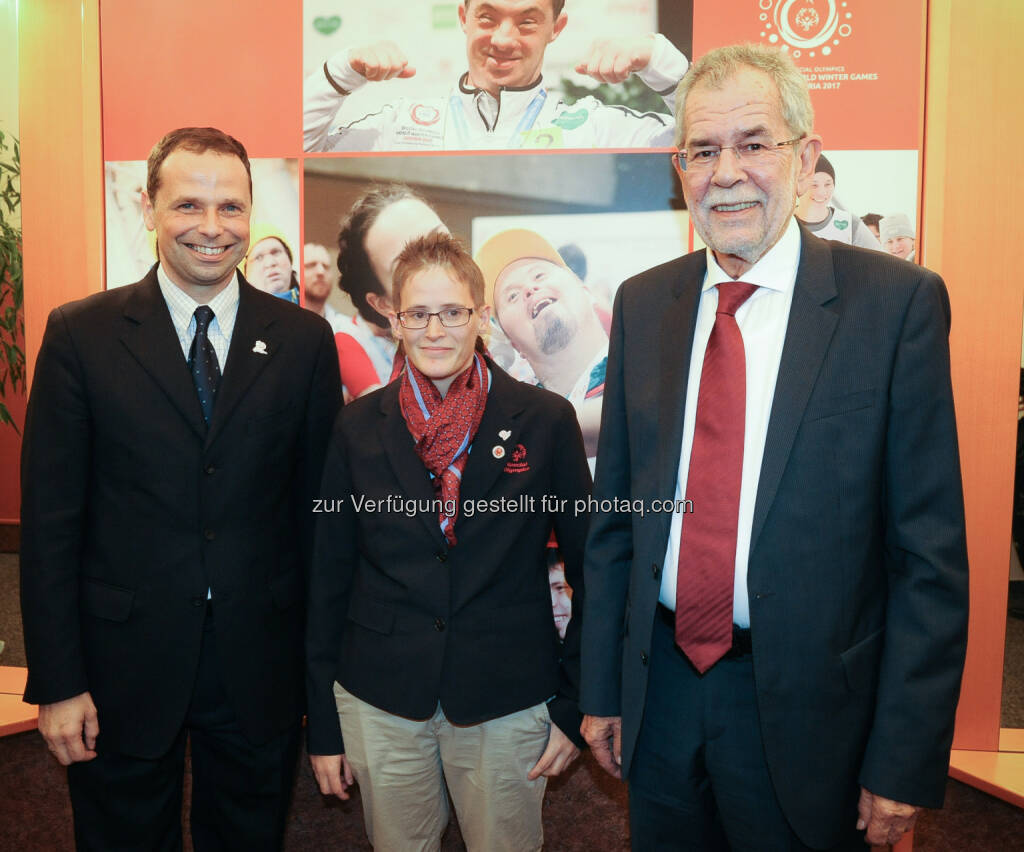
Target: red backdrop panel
[(195, 63)]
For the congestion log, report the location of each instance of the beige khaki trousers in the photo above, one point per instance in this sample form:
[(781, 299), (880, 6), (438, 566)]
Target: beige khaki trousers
[(401, 766)]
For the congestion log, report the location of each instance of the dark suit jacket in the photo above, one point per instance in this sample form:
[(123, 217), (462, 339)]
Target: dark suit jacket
[(403, 621), (858, 569), (132, 509)]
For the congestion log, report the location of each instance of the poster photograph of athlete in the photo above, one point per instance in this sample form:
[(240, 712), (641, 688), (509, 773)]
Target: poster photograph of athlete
[(505, 96)]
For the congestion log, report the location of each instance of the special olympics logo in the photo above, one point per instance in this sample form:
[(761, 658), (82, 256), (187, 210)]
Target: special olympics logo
[(805, 25), (425, 115)]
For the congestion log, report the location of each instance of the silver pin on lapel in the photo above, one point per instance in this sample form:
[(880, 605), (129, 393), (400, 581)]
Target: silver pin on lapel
[(259, 347)]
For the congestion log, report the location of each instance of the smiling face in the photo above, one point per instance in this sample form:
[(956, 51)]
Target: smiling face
[(437, 351), (822, 187), (539, 305), (741, 211), (506, 40), (561, 597), (900, 246), (201, 218), (268, 267)]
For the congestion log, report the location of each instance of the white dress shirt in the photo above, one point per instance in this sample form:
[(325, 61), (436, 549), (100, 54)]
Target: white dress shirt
[(762, 320), (183, 307)]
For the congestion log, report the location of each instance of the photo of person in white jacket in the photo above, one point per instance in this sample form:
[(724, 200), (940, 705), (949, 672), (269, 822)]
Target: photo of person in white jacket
[(502, 101)]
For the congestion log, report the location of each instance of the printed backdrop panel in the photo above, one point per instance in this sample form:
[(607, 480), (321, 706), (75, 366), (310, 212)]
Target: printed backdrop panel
[(862, 60)]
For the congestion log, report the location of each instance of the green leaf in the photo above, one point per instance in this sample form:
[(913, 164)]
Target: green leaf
[(12, 323)]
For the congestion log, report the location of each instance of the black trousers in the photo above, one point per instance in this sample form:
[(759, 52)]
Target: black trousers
[(240, 791), (699, 780)]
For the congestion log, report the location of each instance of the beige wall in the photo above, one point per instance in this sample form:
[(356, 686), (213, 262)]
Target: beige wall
[(972, 237)]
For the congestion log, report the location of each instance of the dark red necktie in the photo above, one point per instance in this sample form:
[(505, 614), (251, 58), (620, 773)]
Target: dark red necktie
[(707, 546)]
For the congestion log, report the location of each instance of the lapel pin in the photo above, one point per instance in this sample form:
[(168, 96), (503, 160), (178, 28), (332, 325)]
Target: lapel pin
[(259, 347), (505, 434), (498, 452)]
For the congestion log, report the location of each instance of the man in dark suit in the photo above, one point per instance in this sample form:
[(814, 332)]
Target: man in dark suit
[(166, 524), (775, 665), (431, 635)]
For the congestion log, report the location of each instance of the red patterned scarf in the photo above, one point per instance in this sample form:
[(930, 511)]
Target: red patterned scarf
[(444, 428)]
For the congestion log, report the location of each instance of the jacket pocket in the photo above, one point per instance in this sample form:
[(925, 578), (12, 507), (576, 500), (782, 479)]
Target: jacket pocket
[(103, 600), (271, 420), (860, 662), (836, 405), (371, 615)]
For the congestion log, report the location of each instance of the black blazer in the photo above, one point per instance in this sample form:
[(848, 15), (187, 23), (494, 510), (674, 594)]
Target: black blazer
[(403, 621), (858, 568), (132, 509)]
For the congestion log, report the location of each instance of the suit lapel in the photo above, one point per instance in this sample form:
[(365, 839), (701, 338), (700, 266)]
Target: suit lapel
[(482, 467), (676, 334), (246, 357), (412, 476), (153, 342), (808, 333), (500, 415)]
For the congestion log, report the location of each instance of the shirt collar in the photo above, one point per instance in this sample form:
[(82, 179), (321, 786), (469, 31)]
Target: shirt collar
[(776, 270), (468, 88), (182, 306)]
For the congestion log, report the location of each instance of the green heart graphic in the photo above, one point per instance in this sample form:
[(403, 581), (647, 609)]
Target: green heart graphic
[(326, 26), (571, 120), (841, 226)]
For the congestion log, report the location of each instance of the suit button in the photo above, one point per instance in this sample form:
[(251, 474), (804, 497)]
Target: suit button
[(439, 624), (643, 657), (209, 535), (442, 557), (210, 469), (198, 601), (656, 570)]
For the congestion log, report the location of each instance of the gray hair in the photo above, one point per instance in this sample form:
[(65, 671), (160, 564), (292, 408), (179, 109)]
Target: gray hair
[(720, 64)]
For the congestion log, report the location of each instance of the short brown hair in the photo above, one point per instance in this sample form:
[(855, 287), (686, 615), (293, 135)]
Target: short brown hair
[(556, 7), (197, 140), (441, 250)]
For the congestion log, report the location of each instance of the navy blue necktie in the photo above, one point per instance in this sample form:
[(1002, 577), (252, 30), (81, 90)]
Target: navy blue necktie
[(202, 361)]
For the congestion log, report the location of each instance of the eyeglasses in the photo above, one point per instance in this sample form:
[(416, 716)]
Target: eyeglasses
[(449, 317), (752, 153)]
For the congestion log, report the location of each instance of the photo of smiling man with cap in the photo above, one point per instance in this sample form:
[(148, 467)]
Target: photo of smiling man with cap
[(268, 263), (819, 213), (897, 234), (548, 315)]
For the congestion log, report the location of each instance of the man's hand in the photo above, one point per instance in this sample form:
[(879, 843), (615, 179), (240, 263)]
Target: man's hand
[(604, 736), (560, 752), (70, 728), (886, 821), (380, 61), (612, 60), (333, 774)]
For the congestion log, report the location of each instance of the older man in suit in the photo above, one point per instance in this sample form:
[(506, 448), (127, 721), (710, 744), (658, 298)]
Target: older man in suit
[(175, 437), (776, 665)]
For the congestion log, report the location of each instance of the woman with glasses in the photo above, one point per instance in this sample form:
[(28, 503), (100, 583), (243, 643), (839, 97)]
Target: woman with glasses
[(433, 656)]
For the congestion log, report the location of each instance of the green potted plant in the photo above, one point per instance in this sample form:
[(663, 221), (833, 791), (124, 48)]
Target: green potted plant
[(12, 320)]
